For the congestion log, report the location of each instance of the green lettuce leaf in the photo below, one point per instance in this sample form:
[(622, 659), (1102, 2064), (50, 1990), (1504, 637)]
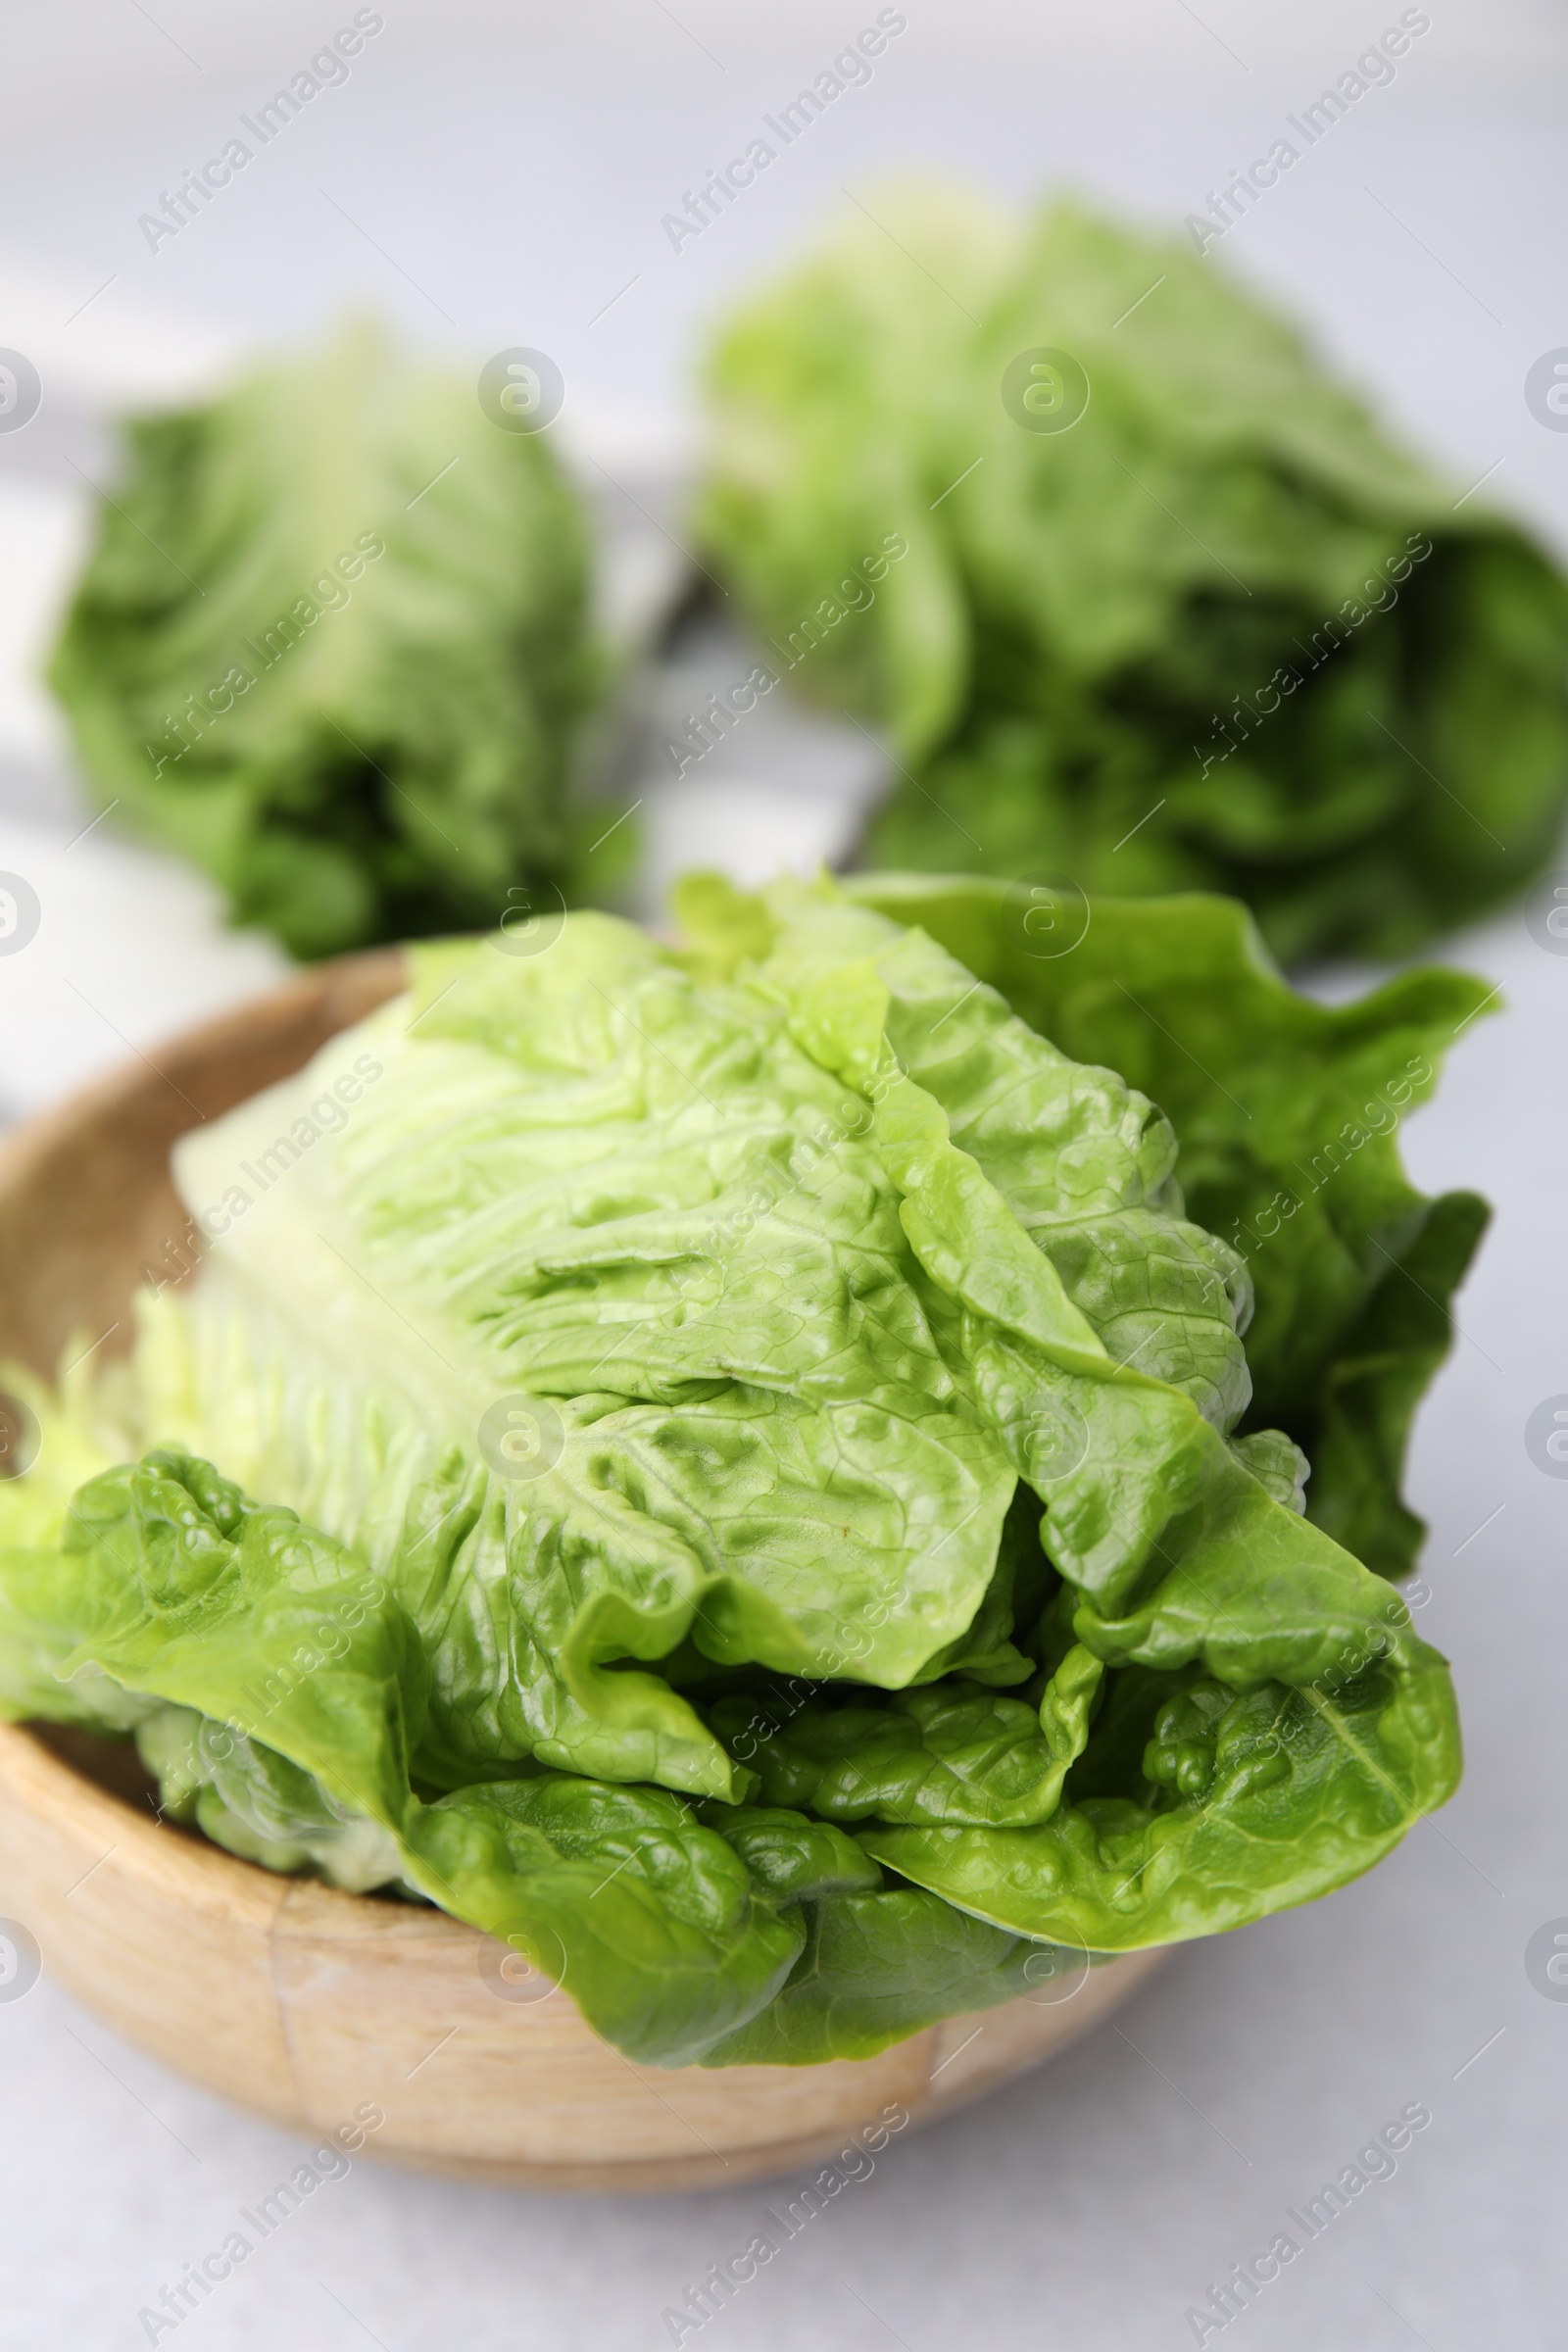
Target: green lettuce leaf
[(877, 1968), (332, 643), (950, 1753), (78, 1436), (246, 1796), (1133, 1470), (1287, 1113), (589, 1181), (1239, 1806), (181, 1590), (879, 1963), (1218, 633)]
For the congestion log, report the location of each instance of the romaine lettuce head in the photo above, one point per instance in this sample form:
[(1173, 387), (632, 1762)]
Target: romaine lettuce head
[(332, 643), (1212, 630), (732, 1468)]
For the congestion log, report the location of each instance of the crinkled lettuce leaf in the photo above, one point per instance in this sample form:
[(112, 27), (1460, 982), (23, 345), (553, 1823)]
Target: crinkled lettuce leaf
[(877, 1968), (254, 1801), (1220, 632), (333, 643), (1239, 1806), (951, 1753), (181, 1590), (77, 1438), (1137, 1477), (587, 1180), (880, 1961), (1287, 1113)]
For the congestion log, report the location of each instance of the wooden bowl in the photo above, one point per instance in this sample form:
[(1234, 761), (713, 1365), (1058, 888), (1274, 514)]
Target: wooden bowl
[(284, 1994)]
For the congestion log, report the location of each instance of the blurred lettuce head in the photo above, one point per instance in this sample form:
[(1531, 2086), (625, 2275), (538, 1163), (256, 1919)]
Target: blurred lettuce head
[(334, 644), (1175, 611)]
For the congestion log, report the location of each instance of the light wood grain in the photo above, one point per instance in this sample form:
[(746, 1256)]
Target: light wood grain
[(303, 2003)]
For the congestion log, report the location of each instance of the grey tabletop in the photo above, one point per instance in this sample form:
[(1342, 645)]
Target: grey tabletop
[(487, 177)]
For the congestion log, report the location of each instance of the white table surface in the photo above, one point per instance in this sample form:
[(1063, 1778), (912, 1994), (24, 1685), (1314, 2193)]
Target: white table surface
[(517, 167)]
